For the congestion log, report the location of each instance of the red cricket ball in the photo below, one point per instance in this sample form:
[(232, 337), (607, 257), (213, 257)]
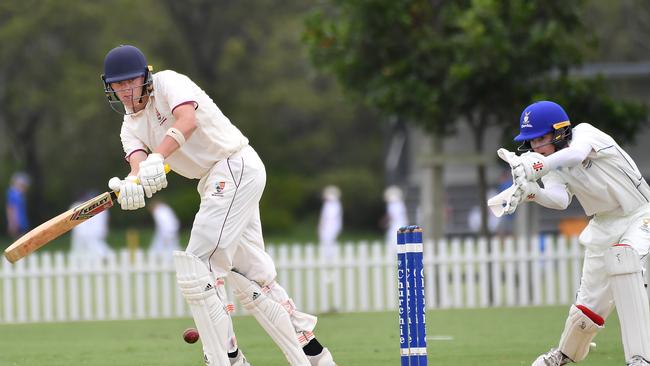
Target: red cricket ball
[(191, 335)]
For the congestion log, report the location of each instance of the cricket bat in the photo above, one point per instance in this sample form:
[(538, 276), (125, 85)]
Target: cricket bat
[(61, 224)]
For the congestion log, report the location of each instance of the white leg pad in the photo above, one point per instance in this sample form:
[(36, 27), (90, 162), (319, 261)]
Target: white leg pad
[(272, 316), (212, 321), (223, 296), (303, 323), (627, 285), (579, 331)]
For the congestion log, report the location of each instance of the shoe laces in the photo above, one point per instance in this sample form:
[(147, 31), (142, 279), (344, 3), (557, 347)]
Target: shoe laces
[(554, 358)]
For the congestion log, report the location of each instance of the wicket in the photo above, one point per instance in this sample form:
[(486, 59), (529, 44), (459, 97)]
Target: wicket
[(412, 317)]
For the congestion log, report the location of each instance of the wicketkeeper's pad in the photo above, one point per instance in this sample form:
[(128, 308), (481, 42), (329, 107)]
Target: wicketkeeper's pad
[(579, 330), (627, 284)]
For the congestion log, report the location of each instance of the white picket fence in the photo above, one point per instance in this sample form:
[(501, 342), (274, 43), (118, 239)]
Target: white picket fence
[(459, 273)]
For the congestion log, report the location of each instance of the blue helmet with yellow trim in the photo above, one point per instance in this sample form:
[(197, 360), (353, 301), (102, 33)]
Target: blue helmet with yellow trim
[(541, 118)]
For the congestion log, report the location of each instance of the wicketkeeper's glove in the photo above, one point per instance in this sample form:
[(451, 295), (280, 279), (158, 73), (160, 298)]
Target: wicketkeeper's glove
[(531, 165)]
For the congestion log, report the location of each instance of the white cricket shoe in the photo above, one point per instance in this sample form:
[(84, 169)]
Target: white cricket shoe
[(638, 361), (552, 358), (322, 359), (240, 360)]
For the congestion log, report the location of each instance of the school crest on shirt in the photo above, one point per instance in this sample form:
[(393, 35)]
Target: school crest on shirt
[(219, 187), (646, 225), (160, 118)]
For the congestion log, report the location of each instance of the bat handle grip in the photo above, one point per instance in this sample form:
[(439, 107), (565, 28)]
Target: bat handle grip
[(167, 170)]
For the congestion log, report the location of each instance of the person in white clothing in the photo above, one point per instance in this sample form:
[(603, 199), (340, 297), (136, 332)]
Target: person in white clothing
[(396, 216), (165, 238), (88, 239), (330, 222), (474, 218), (168, 119), (584, 162)]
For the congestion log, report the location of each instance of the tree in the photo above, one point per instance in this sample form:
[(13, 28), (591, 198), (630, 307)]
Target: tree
[(53, 115), (250, 60), (479, 62), (55, 122)]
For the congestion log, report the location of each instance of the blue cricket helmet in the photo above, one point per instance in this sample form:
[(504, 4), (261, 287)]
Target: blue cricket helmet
[(123, 63), (541, 118)]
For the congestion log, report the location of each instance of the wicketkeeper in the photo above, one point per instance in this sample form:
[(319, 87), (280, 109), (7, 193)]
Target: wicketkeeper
[(169, 119), (584, 162)]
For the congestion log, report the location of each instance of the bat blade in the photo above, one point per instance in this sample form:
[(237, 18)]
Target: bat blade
[(57, 226)]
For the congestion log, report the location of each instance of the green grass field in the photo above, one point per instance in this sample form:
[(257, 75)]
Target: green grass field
[(486, 337)]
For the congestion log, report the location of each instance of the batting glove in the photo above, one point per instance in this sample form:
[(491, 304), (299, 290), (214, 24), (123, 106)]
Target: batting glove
[(152, 174), (130, 193)]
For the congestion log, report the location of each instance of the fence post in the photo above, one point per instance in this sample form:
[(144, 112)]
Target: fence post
[(310, 284), (34, 273), (377, 265), (470, 271), (522, 260), (563, 278), (443, 273), (111, 268), (483, 274), (509, 259), (61, 293), (364, 284), (7, 290), (48, 301), (456, 273), (496, 261), (349, 282), (549, 269), (296, 264)]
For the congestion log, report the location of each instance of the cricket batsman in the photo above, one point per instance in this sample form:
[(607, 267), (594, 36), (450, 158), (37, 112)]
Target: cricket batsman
[(169, 119), (584, 162)]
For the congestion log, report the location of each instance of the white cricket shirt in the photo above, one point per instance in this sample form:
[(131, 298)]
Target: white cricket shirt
[(214, 139), (607, 181)]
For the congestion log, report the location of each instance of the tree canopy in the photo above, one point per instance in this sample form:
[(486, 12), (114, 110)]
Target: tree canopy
[(478, 62), (56, 125)]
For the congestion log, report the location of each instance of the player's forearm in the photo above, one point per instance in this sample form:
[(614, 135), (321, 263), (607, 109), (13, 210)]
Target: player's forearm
[(134, 161), (186, 127), (167, 147), (568, 157), (555, 197)]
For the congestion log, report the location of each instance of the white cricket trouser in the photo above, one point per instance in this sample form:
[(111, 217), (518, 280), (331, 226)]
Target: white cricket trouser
[(227, 232), (601, 233)]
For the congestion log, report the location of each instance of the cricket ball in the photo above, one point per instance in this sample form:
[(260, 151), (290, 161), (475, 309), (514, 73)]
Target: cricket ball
[(191, 335)]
